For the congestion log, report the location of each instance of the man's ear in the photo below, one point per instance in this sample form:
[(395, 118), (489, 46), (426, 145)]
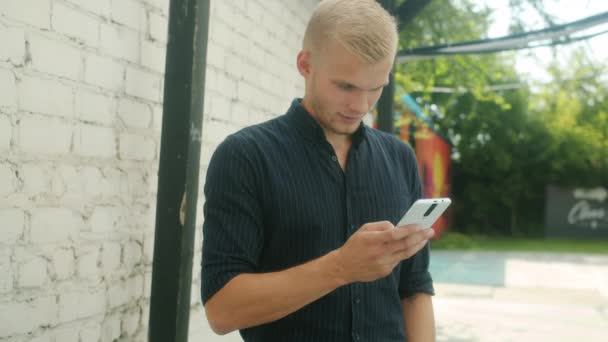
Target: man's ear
[(303, 63)]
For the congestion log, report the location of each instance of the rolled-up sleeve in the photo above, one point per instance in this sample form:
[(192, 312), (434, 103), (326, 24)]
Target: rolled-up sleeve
[(415, 276), (232, 229)]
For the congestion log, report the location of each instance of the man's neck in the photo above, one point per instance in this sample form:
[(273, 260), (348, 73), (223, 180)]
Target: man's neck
[(341, 145)]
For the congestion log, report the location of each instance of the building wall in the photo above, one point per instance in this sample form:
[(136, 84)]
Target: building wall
[(81, 86)]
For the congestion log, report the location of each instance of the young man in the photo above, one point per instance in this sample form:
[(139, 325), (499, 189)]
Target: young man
[(298, 239)]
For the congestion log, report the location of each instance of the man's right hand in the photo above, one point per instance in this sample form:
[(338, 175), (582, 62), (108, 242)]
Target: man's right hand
[(376, 248)]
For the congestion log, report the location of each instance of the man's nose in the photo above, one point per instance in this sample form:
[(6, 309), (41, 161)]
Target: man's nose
[(359, 104)]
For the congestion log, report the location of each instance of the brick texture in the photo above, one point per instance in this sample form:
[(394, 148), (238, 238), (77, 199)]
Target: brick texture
[(81, 115)]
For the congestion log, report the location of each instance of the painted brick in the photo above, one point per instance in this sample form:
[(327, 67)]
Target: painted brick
[(97, 184), (75, 24), (33, 273), (143, 84), (103, 72), (106, 219), (62, 264), (216, 55), (158, 25), (120, 42), (8, 96), (46, 136), (94, 107), (65, 334), (110, 257), (80, 304), (22, 317), (55, 57), (49, 225), (90, 332), (13, 223), (153, 56), (132, 255), (147, 288), (71, 178), (6, 281), (95, 141), (239, 92), (157, 118), (34, 12), (36, 179), (135, 287), (220, 107), (128, 13), (86, 263), (117, 294), (13, 45), (99, 7), (163, 5), (148, 250), (134, 114), (130, 322), (8, 180), (35, 96), (6, 133), (136, 147), (110, 330)]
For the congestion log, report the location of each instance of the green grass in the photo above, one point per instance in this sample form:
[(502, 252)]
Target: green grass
[(457, 241)]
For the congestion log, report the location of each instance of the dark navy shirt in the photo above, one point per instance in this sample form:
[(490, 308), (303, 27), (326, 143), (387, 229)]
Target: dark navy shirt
[(276, 197)]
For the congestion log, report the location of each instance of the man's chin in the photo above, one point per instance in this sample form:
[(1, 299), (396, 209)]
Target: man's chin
[(346, 130)]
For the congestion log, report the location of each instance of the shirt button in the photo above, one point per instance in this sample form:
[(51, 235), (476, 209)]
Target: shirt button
[(334, 158), (357, 337), (357, 300)]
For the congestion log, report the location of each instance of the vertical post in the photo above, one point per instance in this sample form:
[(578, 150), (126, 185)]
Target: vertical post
[(385, 103), (385, 106), (178, 170)]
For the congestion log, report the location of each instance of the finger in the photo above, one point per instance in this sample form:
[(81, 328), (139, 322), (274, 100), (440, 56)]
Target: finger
[(402, 232), (408, 252), (377, 226), (412, 240)]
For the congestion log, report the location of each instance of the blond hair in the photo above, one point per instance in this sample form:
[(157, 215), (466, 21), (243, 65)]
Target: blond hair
[(363, 27)]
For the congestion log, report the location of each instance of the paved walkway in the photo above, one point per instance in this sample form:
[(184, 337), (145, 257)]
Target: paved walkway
[(493, 296)]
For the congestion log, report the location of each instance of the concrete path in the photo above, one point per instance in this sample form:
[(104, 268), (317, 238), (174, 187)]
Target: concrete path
[(493, 296)]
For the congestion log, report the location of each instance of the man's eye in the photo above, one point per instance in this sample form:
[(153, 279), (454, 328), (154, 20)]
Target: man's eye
[(345, 86)]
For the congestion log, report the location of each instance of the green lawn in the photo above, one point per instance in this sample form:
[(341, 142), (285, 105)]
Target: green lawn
[(486, 243)]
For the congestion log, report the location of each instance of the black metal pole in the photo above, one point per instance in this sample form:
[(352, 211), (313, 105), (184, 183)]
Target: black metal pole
[(385, 106), (406, 12), (385, 103), (178, 170)]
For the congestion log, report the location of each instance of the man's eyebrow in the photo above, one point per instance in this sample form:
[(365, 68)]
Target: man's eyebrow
[(344, 83)]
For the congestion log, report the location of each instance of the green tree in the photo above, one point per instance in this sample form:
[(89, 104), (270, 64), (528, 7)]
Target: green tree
[(507, 145)]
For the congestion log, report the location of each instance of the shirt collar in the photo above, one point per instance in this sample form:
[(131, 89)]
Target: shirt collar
[(310, 128)]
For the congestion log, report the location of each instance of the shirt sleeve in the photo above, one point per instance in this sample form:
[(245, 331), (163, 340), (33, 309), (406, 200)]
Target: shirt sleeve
[(232, 229), (415, 276)]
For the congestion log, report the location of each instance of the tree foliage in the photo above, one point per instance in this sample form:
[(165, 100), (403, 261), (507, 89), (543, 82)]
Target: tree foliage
[(508, 145)]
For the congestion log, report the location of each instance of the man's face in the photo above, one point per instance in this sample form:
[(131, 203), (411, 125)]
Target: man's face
[(341, 89)]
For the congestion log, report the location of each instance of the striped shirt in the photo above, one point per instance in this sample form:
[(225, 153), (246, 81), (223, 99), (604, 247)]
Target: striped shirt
[(276, 197)]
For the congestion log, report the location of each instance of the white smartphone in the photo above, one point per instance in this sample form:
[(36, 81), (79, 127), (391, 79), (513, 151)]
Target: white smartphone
[(425, 212)]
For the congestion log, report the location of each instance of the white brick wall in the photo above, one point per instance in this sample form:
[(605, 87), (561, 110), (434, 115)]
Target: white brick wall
[(81, 85), (32, 12), (9, 89), (55, 57), (45, 96), (13, 48), (44, 136), (73, 23)]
